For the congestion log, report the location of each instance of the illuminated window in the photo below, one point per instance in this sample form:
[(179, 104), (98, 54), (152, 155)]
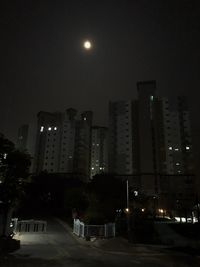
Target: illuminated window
[(177, 164), (97, 144), (170, 148), (187, 147), (151, 97), (55, 128), (92, 168), (41, 128), (176, 149), (84, 118), (5, 155), (49, 129)]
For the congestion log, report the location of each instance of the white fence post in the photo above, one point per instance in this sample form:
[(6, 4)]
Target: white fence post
[(106, 230)]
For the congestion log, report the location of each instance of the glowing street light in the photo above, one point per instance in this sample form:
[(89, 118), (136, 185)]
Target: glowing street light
[(161, 211), (127, 210)]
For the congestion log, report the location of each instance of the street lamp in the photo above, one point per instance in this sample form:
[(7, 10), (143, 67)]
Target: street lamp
[(127, 195), (127, 209)]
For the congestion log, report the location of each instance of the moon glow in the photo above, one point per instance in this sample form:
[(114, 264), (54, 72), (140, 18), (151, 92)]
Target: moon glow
[(87, 45)]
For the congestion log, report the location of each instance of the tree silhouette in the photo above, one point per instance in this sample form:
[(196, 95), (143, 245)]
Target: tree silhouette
[(14, 171)]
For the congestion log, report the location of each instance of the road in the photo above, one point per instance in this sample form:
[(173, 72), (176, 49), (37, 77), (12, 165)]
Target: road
[(58, 248)]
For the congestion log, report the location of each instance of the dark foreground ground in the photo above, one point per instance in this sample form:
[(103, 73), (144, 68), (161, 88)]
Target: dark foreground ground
[(59, 247)]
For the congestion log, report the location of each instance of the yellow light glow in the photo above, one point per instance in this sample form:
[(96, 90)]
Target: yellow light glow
[(87, 45), (127, 209), (161, 210), (143, 210)]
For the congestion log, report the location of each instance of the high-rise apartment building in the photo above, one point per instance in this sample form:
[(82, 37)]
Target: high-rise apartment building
[(47, 153), (99, 151), (150, 137), (177, 137), (146, 131), (63, 142), (122, 131)]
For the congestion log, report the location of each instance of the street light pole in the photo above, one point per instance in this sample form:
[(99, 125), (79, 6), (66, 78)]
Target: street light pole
[(127, 209), (127, 195)]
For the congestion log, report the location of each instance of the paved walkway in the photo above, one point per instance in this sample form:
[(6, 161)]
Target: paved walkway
[(59, 247), (119, 245)]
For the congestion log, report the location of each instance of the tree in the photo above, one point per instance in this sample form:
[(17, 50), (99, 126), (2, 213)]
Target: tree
[(106, 194), (14, 171)]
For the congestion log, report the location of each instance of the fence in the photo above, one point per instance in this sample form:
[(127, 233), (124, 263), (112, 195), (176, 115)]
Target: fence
[(84, 230), (31, 226)]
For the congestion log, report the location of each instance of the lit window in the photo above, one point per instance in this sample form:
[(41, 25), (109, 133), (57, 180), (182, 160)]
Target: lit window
[(92, 168), (5, 155), (41, 128), (84, 118), (97, 144), (100, 168), (49, 129), (176, 149), (187, 147), (170, 148), (151, 97), (177, 164), (55, 128), (179, 171)]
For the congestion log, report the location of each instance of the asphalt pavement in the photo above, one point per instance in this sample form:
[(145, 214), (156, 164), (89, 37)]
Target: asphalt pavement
[(59, 247)]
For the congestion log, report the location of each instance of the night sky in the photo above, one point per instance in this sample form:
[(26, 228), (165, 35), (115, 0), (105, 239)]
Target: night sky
[(44, 67)]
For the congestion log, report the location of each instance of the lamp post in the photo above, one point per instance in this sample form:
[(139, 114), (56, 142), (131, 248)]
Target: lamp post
[(127, 209)]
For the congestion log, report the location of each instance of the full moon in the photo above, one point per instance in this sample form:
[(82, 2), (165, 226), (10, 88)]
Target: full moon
[(87, 45)]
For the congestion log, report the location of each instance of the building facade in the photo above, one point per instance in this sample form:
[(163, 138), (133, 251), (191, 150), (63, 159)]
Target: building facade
[(150, 138), (63, 142), (122, 143), (99, 151)]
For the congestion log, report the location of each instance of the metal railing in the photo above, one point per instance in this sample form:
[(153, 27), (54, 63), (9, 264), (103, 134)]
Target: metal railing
[(31, 226), (86, 230)]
